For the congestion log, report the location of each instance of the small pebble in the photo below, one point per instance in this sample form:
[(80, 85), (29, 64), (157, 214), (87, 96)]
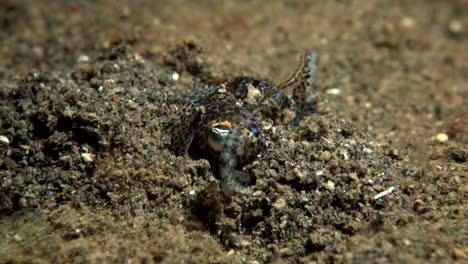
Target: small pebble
[(367, 150), (407, 22), (17, 238), (252, 92), (266, 125), (299, 174), (257, 193), (343, 154), (65, 158), (394, 153), (330, 185), (280, 203), (406, 242), (456, 27), (459, 253), (353, 176), (388, 29), (88, 157), (175, 76), (285, 251), (132, 105), (442, 137), (273, 173), (418, 205), (244, 243), (25, 147), (458, 155), (324, 156), (83, 58)]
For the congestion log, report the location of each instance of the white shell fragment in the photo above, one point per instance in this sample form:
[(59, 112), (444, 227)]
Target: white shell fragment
[(88, 157), (384, 193)]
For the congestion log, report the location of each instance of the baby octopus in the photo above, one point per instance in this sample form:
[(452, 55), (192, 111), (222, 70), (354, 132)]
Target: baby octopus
[(220, 124)]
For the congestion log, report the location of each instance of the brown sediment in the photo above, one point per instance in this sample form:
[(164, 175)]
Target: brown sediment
[(86, 174)]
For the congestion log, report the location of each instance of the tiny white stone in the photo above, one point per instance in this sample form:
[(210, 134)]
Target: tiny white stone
[(175, 76), (17, 237), (456, 27), (333, 91), (83, 58), (192, 192), (330, 185), (406, 242), (367, 150), (442, 137), (4, 140), (257, 193), (244, 243)]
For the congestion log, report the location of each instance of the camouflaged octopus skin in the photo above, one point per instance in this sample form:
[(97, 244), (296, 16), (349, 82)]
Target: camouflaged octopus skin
[(219, 124)]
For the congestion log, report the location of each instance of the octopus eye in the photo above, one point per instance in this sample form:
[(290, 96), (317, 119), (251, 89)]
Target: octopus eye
[(218, 136), (253, 131)]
